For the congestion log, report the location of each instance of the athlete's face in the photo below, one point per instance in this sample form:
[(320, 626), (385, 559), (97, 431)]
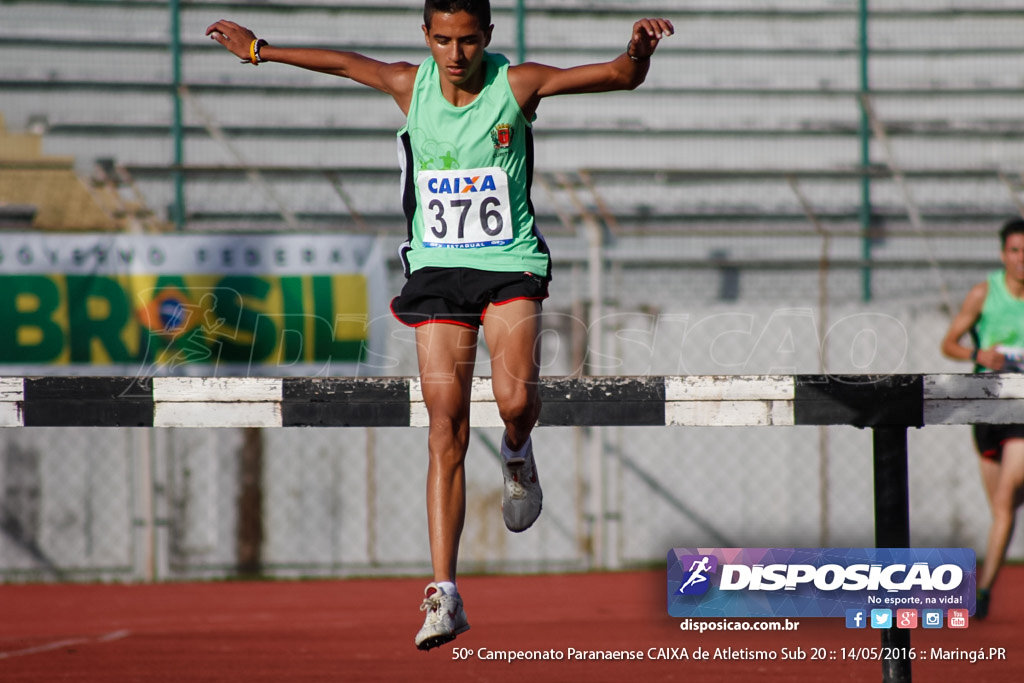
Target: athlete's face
[(457, 44), (1013, 257)]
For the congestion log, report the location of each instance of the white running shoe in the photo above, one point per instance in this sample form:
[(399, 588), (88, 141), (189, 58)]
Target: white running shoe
[(445, 618), (521, 499)]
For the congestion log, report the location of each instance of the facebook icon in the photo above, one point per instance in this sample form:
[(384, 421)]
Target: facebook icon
[(856, 618)]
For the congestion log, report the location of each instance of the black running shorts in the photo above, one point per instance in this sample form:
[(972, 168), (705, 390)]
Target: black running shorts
[(989, 439), (460, 296)]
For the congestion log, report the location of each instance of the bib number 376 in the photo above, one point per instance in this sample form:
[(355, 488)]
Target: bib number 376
[(465, 208)]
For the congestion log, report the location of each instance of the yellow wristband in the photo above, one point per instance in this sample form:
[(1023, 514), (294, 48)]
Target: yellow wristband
[(252, 51)]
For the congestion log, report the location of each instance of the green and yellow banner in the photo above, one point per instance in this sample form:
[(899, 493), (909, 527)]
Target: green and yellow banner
[(181, 304)]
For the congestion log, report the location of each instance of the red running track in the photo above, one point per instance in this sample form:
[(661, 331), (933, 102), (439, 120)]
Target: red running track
[(362, 630)]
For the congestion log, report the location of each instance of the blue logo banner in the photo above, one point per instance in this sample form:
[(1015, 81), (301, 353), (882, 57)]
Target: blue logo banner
[(818, 582)]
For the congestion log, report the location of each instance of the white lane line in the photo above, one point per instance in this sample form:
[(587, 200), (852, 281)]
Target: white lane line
[(114, 635), (56, 645)]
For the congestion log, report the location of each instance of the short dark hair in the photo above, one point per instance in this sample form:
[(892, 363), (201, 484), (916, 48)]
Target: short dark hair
[(481, 9), (1011, 227)]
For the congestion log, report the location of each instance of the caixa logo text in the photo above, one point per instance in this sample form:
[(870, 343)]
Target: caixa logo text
[(830, 577), (461, 185)]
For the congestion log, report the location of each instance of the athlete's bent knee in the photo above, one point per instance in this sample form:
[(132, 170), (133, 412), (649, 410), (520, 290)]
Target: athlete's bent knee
[(519, 403)]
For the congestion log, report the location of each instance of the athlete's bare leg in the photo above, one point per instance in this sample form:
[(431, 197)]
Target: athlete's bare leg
[(447, 355), (512, 332), (1005, 498), (990, 469)]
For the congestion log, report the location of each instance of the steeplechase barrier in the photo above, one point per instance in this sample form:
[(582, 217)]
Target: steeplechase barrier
[(886, 404), (868, 401)]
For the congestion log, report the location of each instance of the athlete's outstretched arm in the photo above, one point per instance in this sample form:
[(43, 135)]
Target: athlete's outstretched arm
[(532, 82), (395, 79)]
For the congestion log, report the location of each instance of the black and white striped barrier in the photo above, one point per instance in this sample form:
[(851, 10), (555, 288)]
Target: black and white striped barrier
[(704, 400)]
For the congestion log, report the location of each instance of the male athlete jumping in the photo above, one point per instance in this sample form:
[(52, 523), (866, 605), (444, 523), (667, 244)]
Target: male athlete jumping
[(474, 256)]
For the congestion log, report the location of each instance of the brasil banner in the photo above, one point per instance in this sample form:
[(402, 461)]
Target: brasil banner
[(190, 304)]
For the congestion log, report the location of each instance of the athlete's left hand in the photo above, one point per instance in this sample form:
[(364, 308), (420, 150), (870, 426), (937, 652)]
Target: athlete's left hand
[(234, 37), (647, 33)]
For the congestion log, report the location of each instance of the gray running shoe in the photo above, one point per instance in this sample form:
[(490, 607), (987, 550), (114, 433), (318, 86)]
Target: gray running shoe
[(445, 618), (522, 499)]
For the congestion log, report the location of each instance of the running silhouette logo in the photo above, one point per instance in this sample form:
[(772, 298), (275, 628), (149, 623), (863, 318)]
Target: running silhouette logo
[(696, 580)]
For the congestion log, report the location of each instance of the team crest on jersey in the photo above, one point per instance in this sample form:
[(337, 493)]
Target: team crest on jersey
[(502, 136)]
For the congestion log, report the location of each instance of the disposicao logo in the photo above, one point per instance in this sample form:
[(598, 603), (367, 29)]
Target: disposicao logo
[(817, 582)]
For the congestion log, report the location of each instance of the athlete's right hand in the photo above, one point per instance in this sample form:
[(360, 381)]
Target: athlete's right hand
[(991, 359), (235, 38), (647, 33)]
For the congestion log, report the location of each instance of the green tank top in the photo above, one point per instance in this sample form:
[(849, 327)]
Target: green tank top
[(1001, 324), (466, 177)]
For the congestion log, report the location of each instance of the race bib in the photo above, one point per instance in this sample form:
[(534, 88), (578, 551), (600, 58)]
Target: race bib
[(466, 208)]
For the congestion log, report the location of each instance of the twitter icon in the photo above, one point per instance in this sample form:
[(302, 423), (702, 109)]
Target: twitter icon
[(881, 618)]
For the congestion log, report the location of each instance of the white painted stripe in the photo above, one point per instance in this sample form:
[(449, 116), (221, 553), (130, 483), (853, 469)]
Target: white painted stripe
[(174, 414), (728, 413), (481, 414), (973, 411), (47, 647), (69, 642), (114, 635), (227, 389), (983, 385), (485, 415), (418, 413), (12, 389), (479, 391), (11, 415), (730, 388), (783, 413)]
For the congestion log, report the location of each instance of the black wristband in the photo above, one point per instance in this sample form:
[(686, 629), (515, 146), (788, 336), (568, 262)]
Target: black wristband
[(974, 355), (635, 59)]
